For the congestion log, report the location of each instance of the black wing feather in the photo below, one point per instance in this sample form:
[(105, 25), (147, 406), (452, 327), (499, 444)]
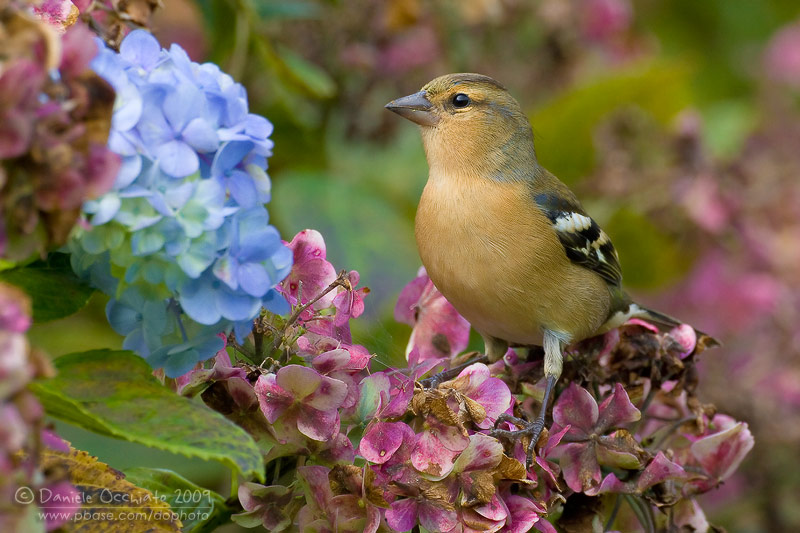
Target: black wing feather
[(588, 246)]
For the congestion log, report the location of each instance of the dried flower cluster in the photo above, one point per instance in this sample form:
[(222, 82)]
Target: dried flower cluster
[(55, 115)]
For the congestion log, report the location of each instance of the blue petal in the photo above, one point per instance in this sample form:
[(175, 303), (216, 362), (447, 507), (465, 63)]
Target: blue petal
[(103, 209), (282, 261), (275, 302), (146, 242), (177, 159), (121, 143), (183, 104), (136, 342), (153, 126), (141, 49), (198, 300), (123, 318), (243, 189), (242, 329), (230, 155), (127, 108), (226, 270), (236, 306), (253, 279), (197, 258), (199, 134), (128, 171), (181, 60), (257, 126)]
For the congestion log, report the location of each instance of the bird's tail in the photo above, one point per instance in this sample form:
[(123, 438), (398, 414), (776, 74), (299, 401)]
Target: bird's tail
[(666, 321)]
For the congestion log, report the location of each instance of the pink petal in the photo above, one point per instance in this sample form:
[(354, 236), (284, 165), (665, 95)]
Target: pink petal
[(272, 398), (316, 479), (54, 442), (611, 483), (316, 424), (64, 501), (639, 322), (494, 510), (440, 330), (579, 466), (436, 519), (330, 394), (482, 453), (686, 337), (373, 519), (550, 468), (495, 397), (554, 439), (576, 407), (402, 516), (405, 310), (545, 527), (689, 516), (242, 393), (381, 440), (721, 453), (327, 362), (402, 392), (298, 381), (431, 457), (314, 276), (616, 410), (307, 245), (659, 470), (471, 521), (522, 514)]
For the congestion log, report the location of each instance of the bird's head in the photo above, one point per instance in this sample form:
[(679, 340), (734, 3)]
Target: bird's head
[(470, 123)]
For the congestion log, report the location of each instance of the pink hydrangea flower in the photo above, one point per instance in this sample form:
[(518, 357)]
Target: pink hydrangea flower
[(782, 56), (475, 382), (587, 442), (721, 452), (439, 331), (302, 399), (311, 273)]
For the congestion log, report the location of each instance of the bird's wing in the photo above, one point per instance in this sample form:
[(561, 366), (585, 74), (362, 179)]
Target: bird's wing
[(584, 242)]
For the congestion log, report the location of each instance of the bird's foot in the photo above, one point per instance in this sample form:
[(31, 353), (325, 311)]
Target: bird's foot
[(446, 375), (532, 430)]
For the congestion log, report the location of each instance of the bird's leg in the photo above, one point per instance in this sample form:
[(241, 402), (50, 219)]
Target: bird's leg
[(553, 363), (446, 375), (495, 349)]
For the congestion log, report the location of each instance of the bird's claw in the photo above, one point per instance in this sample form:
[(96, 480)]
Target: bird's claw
[(533, 430), (446, 375)]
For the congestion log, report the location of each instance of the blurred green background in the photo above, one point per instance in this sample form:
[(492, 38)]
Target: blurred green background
[(676, 122)]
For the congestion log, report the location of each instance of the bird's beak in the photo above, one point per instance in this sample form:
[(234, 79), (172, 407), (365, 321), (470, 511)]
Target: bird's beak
[(416, 108)]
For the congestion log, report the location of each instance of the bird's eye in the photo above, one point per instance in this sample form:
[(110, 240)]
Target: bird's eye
[(461, 100)]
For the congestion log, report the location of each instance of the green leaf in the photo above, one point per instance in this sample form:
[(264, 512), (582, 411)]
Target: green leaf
[(198, 508), (650, 258), (114, 393), (564, 128), (280, 9), (307, 75), (54, 288)]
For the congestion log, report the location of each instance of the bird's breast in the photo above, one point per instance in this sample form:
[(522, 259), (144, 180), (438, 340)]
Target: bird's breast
[(496, 258)]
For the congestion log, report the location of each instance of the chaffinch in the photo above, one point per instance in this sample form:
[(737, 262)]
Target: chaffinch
[(506, 242)]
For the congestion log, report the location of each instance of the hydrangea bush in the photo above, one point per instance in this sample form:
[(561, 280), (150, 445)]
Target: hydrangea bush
[(349, 450)]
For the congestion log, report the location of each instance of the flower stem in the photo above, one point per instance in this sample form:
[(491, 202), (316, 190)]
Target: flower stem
[(340, 281)]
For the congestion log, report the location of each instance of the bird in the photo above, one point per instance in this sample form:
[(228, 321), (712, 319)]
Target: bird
[(504, 240)]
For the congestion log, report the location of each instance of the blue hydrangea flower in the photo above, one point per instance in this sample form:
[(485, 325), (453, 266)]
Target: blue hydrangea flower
[(182, 242)]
